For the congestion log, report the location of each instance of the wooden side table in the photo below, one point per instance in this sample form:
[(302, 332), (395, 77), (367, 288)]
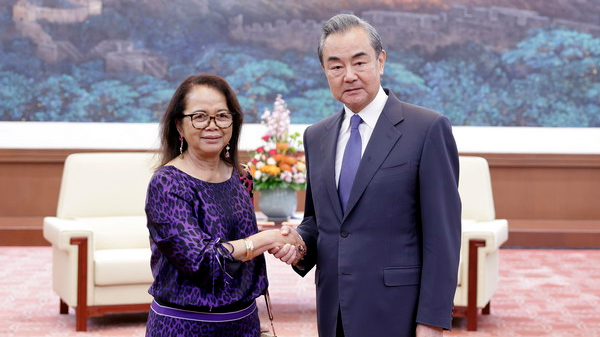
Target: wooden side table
[(264, 224)]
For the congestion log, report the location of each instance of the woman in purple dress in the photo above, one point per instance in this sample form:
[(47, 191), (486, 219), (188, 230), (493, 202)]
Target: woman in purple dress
[(207, 257)]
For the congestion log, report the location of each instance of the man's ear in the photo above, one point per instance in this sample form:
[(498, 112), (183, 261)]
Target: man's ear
[(381, 61)]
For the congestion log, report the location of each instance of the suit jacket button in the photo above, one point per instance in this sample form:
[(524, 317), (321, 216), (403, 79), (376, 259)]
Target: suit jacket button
[(345, 234)]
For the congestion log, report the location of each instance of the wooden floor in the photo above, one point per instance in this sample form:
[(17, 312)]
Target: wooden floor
[(27, 231)]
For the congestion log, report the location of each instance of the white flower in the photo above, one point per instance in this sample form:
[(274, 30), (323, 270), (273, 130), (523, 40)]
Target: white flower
[(278, 120), (299, 178), (259, 165), (286, 176), (265, 116), (271, 161), (258, 174)]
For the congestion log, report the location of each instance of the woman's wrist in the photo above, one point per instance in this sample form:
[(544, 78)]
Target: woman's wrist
[(266, 239), (249, 248)]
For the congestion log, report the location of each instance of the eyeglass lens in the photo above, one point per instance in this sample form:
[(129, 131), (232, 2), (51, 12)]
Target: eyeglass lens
[(222, 119)]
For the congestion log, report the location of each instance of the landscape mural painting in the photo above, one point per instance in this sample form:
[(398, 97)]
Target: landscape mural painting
[(482, 63)]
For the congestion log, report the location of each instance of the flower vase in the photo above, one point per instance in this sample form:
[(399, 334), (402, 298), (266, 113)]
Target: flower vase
[(278, 204)]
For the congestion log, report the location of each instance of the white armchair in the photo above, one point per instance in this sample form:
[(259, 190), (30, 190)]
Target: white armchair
[(100, 243), (482, 236)]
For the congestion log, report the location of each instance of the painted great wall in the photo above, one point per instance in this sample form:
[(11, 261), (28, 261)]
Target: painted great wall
[(498, 27), (118, 55), (495, 26)]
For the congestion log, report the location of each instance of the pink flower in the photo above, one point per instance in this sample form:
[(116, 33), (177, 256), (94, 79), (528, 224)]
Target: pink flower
[(278, 155)]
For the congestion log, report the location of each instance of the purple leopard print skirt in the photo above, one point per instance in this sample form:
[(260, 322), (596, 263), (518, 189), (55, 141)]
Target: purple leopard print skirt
[(165, 326)]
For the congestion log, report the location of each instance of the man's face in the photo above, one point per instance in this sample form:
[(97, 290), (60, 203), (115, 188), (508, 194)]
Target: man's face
[(352, 69)]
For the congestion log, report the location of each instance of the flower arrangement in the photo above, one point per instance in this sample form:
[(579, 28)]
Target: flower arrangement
[(277, 164)]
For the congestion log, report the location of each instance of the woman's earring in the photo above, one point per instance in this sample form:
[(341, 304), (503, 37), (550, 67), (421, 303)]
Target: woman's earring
[(227, 151), (181, 145)]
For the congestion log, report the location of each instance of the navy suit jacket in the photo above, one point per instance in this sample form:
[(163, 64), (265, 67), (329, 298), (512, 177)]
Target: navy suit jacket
[(391, 260)]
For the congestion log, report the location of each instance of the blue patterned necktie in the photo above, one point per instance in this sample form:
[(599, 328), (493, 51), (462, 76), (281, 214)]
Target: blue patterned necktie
[(350, 161)]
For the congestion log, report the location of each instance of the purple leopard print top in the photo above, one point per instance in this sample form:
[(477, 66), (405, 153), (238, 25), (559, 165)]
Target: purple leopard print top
[(187, 220)]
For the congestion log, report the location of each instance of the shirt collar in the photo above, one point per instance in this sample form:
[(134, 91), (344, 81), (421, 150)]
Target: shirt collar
[(370, 114)]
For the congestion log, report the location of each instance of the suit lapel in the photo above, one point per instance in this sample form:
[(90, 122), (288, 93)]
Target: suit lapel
[(328, 153), (384, 137)]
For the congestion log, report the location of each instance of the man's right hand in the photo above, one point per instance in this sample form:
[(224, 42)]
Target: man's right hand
[(290, 253)]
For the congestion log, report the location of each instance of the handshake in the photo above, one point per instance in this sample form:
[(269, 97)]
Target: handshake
[(288, 245), (285, 244)]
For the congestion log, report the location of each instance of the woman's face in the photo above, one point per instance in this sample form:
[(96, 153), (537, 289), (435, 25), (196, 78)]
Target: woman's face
[(210, 141)]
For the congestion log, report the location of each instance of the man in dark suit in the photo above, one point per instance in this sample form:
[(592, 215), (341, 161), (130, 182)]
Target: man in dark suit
[(382, 211)]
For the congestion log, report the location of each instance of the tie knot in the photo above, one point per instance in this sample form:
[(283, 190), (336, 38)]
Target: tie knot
[(355, 121)]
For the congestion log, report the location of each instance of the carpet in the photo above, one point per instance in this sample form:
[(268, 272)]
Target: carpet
[(542, 293)]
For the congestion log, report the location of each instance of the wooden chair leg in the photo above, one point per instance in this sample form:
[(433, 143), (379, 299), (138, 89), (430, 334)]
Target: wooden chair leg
[(81, 311), (471, 318), (472, 287), (486, 310), (64, 308)]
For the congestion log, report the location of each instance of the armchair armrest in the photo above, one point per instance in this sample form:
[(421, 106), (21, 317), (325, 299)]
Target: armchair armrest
[(494, 233), (60, 231)]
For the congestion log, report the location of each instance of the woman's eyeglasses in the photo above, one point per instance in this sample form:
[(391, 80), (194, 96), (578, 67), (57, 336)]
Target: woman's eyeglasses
[(201, 120)]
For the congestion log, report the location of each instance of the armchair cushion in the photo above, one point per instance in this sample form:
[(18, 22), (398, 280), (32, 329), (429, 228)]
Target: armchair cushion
[(117, 232), (123, 295), (122, 266)]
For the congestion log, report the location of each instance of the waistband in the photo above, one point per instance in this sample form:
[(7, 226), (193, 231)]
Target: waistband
[(163, 310), (236, 306)]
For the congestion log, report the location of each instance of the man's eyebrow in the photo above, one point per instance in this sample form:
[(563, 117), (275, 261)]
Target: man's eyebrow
[(336, 58), (362, 53)]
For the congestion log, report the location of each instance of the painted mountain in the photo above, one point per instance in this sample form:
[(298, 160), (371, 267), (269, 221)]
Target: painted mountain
[(500, 62)]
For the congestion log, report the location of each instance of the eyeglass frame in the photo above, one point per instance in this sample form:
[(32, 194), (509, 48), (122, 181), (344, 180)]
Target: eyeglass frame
[(210, 119)]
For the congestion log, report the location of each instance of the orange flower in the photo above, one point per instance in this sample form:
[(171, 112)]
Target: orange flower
[(285, 167), (278, 157), (252, 170), (282, 146), (290, 160), (271, 169)]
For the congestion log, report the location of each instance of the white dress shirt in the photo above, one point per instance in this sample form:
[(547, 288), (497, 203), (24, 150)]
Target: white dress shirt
[(370, 114)]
